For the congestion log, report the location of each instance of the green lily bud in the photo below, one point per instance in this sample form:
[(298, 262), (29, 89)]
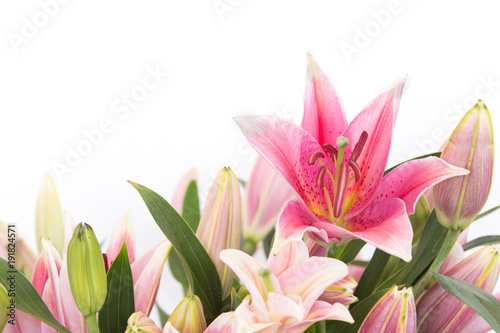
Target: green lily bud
[(86, 271), (140, 323), (188, 316)]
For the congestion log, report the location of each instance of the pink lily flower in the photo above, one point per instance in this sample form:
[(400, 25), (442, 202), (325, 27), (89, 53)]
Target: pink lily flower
[(394, 312), (440, 312), (284, 293), (337, 170), (266, 192)]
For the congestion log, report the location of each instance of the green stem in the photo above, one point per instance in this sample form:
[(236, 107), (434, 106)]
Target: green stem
[(91, 322), (450, 240), (322, 327)]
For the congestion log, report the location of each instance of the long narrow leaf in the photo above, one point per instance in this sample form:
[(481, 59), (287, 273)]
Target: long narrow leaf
[(206, 281), (119, 304), (190, 213), (349, 251), (26, 297), (481, 241), (371, 275), (479, 300), (486, 213)]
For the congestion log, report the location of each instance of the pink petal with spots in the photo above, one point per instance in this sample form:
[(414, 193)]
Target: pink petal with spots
[(288, 148), (324, 117), (377, 119), (411, 179)]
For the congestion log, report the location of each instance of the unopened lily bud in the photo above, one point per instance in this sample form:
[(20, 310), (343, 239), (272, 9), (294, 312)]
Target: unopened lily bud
[(86, 271), (459, 200), (419, 218), (394, 312), (266, 193), (438, 311), (341, 291), (138, 322), (188, 316), (220, 224), (49, 223)]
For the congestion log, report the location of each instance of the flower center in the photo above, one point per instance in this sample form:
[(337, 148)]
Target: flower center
[(265, 273), (340, 176)]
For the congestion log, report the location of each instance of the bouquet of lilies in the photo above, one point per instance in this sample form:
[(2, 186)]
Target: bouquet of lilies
[(317, 195)]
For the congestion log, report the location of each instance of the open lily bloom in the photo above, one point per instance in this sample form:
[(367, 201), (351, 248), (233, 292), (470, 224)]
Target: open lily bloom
[(284, 293), (337, 170)]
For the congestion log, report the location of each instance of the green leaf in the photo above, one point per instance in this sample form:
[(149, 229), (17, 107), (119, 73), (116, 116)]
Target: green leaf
[(27, 298), (437, 154), (349, 251), (190, 213), (119, 304), (485, 304), (481, 241), (268, 243), (163, 315), (191, 206), (359, 314), (486, 213), (206, 281), (428, 247), (371, 275)]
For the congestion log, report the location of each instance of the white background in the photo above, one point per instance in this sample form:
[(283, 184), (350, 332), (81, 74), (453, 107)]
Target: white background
[(66, 76)]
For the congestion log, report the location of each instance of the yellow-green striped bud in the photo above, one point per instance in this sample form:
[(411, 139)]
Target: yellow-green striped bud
[(188, 316), (140, 323), (86, 271)]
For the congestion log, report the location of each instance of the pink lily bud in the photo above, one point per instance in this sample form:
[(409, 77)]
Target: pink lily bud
[(341, 291), (180, 191), (139, 322), (266, 192), (146, 272), (188, 316), (440, 312), (394, 312), (49, 223), (122, 231), (220, 224), (459, 200)]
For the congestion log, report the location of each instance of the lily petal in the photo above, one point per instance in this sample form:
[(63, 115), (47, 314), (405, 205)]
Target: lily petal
[(52, 292), (224, 323), (266, 192), (377, 119), (122, 231), (386, 226), (247, 269), (407, 182), (288, 148), (310, 279), (322, 311), (292, 254), (324, 116), (74, 321), (147, 277)]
